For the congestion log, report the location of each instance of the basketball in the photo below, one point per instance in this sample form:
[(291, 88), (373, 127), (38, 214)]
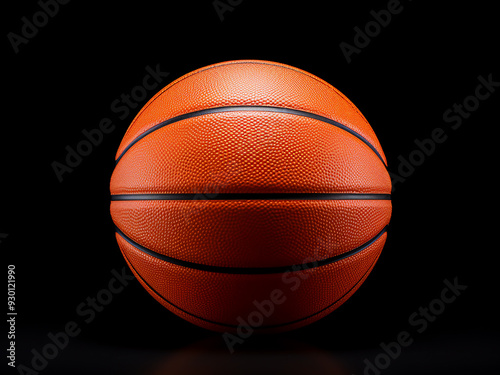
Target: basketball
[(250, 194)]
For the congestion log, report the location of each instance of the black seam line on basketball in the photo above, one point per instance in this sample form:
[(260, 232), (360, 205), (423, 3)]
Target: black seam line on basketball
[(249, 196), (250, 270), (251, 108), (258, 327), (167, 301), (255, 62)]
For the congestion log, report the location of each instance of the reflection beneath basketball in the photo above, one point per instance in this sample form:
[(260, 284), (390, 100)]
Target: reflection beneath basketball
[(266, 355)]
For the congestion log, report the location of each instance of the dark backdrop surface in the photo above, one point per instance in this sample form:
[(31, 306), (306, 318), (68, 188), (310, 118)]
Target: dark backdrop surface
[(415, 77)]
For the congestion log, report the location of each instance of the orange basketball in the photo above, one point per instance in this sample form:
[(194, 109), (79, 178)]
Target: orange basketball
[(250, 194)]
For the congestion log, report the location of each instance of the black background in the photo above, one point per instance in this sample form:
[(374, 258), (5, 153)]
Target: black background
[(61, 238)]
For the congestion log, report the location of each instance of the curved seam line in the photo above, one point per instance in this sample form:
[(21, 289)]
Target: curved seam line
[(290, 111), (250, 270), (182, 78), (251, 196), (236, 326)]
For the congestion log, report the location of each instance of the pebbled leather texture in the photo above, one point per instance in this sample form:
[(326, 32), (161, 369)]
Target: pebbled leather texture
[(249, 82), (220, 301), (239, 152), (250, 151), (261, 233)]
